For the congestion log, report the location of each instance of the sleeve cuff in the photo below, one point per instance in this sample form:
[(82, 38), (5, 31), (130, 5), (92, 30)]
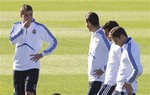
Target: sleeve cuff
[(128, 82), (103, 68), (43, 54)]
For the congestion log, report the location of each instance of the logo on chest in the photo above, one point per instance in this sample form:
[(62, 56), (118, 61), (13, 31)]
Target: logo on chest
[(34, 31)]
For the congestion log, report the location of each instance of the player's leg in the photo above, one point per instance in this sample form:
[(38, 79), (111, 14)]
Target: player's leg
[(31, 81), (94, 87), (19, 82), (106, 90)]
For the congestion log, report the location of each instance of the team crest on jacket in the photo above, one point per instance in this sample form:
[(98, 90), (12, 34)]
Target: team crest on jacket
[(34, 31)]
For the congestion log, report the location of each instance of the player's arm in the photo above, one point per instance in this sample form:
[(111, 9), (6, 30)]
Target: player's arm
[(107, 45), (104, 43), (15, 35), (134, 57), (49, 38)]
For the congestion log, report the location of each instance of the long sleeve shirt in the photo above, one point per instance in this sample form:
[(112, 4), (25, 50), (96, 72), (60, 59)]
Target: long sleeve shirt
[(130, 66), (29, 41), (98, 54), (112, 65)]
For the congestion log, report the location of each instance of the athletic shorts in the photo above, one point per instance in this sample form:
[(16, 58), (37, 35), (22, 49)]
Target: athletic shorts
[(107, 90), (94, 87), (25, 81)]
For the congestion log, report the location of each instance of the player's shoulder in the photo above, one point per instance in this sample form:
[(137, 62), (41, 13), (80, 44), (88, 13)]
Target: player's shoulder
[(133, 46), (39, 24), (100, 33), (115, 48), (16, 23)]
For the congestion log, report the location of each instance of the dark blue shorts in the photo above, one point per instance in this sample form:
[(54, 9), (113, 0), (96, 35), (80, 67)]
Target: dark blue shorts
[(94, 87), (25, 81)]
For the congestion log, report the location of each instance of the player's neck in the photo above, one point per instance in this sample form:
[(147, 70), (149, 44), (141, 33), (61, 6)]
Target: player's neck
[(96, 28)]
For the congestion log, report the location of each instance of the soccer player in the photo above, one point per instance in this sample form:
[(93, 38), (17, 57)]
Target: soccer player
[(28, 36), (112, 63), (98, 53), (130, 66)]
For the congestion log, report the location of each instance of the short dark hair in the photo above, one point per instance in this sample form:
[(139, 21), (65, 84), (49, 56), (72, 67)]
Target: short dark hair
[(93, 18), (117, 32), (25, 7), (110, 24)]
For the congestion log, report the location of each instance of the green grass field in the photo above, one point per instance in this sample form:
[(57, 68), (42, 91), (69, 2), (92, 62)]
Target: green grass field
[(65, 70)]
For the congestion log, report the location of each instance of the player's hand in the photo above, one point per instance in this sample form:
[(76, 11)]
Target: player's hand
[(128, 87), (36, 57), (98, 73), (26, 24)]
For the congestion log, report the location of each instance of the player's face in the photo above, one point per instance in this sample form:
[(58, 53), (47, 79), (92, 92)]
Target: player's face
[(117, 41), (106, 33), (109, 36), (27, 16), (88, 25)]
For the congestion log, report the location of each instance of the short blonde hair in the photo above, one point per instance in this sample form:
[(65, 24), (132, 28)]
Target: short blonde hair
[(25, 7)]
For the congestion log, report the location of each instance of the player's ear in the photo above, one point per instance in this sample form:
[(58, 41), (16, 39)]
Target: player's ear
[(88, 22), (122, 37)]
